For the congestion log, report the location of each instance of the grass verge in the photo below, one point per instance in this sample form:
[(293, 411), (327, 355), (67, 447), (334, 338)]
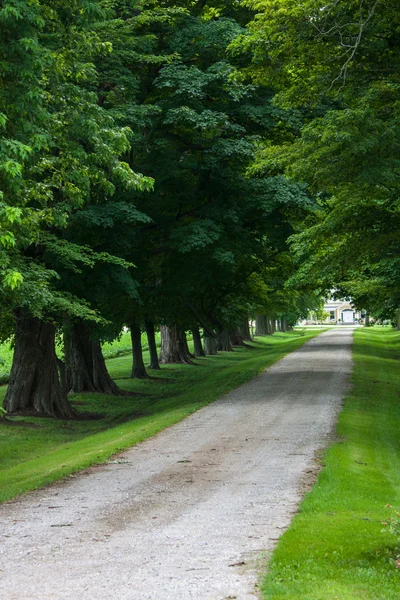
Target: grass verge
[(337, 547), (37, 451)]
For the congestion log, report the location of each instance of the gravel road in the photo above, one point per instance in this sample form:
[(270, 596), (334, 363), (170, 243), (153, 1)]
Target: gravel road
[(192, 512)]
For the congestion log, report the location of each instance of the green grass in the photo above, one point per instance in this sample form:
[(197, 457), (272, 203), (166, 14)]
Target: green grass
[(38, 451), (337, 547)]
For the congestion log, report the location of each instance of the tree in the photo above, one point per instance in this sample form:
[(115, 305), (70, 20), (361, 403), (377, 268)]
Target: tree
[(75, 158), (213, 223), (24, 120), (85, 368)]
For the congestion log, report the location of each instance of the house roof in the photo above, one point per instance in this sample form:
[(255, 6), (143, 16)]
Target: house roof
[(337, 304)]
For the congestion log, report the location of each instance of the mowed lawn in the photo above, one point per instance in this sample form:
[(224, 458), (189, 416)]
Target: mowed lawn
[(338, 546), (38, 451)]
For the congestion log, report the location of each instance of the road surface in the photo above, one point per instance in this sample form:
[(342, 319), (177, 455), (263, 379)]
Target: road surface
[(192, 512)]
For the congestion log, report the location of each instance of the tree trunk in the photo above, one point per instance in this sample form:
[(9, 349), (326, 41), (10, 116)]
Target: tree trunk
[(398, 319), (198, 347), (185, 345), (85, 367), (151, 340), (261, 325), (138, 368), (210, 345), (244, 329), (236, 337), (224, 343), (35, 383), (367, 320), (173, 347)]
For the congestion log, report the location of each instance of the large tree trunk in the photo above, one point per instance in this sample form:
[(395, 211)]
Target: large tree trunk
[(138, 368), (173, 347), (261, 325), (151, 340), (198, 347), (367, 320), (210, 345), (244, 329), (85, 367), (224, 342), (35, 384), (284, 326)]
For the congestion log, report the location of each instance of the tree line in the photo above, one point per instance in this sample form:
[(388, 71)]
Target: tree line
[(180, 166), (129, 130)]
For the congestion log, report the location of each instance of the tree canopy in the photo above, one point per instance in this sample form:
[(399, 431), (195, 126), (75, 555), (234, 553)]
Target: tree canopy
[(337, 62), (188, 165)]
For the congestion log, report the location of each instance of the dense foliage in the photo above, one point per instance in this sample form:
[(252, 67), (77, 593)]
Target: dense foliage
[(338, 62), (157, 158)]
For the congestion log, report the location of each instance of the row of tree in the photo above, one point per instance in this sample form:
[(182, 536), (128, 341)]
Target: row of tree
[(130, 130)]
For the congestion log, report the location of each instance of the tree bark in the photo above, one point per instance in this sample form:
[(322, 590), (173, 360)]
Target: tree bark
[(236, 337), (186, 346), (224, 343), (261, 325), (173, 347), (35, 384), (138, 368), (198, 347), (210, 345), (244, 329), (151, 340), (86, 370)]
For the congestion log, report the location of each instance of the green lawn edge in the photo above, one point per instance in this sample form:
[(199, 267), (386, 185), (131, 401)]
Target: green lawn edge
[(337, 547), (205, 384)]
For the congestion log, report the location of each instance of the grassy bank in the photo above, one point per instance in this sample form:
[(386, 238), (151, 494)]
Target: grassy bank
[(337, 547), (37, 451)]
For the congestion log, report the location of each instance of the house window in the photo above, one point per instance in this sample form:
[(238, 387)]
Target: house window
[(332, 315)]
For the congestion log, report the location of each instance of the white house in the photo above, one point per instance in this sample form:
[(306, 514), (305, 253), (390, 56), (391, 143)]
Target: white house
[(341, 311)]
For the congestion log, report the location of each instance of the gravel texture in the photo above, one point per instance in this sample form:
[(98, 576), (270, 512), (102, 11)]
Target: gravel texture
[(192, 512)]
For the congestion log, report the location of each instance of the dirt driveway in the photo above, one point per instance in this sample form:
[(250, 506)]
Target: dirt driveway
[(190, 513)]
